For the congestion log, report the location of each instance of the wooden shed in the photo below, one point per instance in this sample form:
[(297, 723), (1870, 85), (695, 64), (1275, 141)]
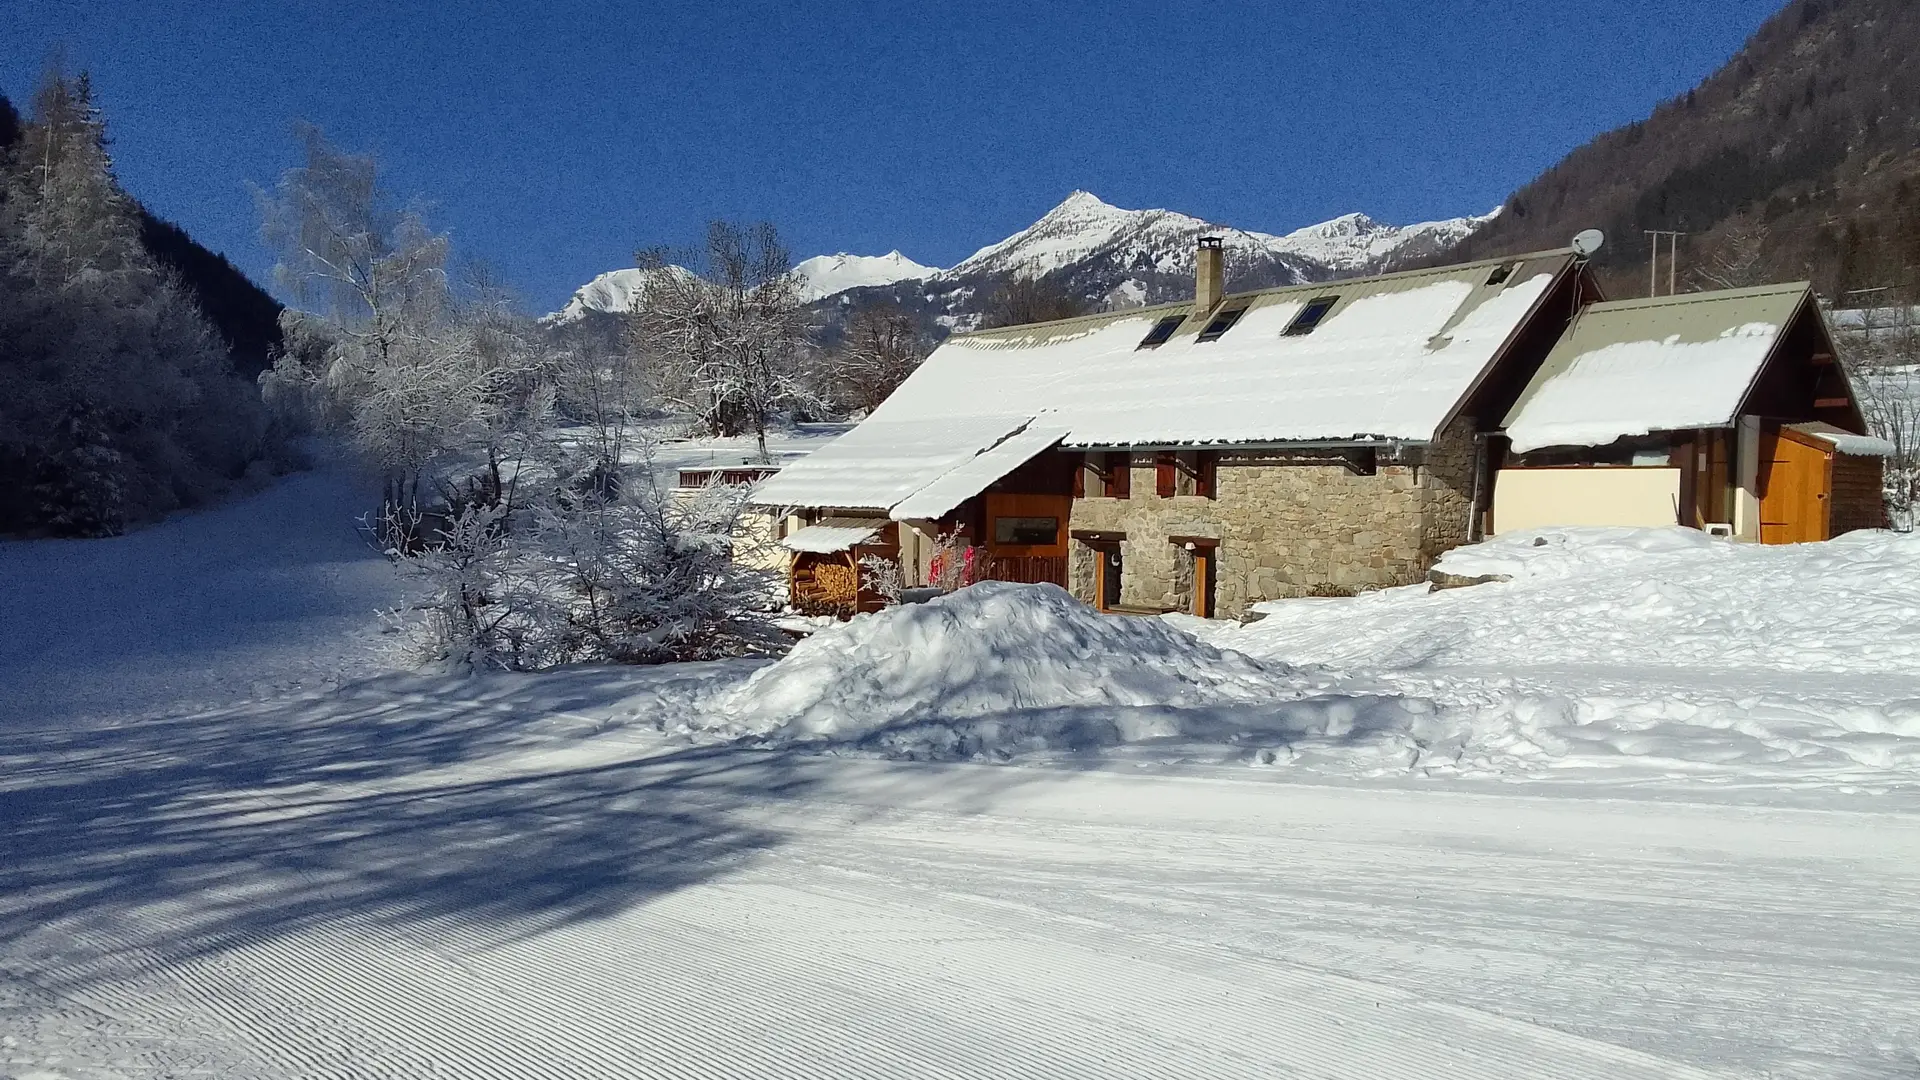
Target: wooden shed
[(1817, 481), (826, 577)]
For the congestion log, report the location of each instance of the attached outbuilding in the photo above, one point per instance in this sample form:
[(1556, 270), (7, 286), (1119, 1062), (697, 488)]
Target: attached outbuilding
[(1726, 411)]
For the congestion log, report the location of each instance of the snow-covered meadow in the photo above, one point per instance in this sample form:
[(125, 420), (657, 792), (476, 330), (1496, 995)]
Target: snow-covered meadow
[(1647, 808)]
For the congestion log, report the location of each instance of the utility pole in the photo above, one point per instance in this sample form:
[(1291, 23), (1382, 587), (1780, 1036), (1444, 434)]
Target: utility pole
[(1673, 261)]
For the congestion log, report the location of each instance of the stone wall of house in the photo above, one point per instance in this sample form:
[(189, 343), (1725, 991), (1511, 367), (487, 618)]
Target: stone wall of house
[(1285, 529), (1446, 479)]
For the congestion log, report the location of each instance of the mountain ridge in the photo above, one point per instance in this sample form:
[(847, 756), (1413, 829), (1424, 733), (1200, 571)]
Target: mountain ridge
[(1105, 255)]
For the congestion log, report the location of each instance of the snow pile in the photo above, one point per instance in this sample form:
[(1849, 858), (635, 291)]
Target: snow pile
[(1614, 656), (1568, 552), (993, 649)]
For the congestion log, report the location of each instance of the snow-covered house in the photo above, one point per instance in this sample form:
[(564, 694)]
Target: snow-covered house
[(1312, 439)]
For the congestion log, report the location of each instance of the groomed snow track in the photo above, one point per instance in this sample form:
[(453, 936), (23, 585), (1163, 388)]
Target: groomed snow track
[(757, 914)]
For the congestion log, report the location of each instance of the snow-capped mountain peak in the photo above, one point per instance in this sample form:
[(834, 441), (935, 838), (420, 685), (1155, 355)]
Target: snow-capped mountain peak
[(826, 275), (1108, 254), (615, 290)]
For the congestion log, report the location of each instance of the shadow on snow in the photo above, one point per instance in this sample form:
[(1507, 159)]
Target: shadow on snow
[(395, 800)]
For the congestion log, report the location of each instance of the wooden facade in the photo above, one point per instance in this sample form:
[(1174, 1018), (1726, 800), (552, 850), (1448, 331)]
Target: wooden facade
[(1809, 490)]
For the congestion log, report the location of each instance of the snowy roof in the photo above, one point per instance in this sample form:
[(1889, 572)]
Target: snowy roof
[(880, 462), (1847, 442), (1390, 361), (1632, 367), (973, 476), (832, 534)]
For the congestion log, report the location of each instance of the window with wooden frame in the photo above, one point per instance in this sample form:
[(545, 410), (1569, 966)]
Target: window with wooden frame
[(1117, 476), (1195, 472), (1166, 474)]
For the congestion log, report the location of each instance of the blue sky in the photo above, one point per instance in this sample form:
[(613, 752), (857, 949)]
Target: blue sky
[(554, 139)]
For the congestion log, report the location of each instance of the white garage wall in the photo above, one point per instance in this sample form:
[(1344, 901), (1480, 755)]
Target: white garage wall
[(1540, 498)]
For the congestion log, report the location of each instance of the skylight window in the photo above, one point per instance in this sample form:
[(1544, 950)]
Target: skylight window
[(1161, 331), (1222, 323), (1311, 316), (1500, 275)]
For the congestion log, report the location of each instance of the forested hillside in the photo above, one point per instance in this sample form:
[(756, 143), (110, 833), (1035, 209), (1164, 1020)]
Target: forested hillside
[(246, 315), (119, 397), (1798, 158)]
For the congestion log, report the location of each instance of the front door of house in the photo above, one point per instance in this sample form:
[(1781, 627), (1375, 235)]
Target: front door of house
[(1793, 490)]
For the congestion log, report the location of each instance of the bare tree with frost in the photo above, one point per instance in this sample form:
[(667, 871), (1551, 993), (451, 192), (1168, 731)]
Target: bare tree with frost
[(726, 345), (1737, 259), (399, 366), (1883, 357), (881, 348)]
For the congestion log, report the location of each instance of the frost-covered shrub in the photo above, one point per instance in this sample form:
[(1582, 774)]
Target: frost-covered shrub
[(881, 576), (484, 608), (649, 578), (637, 578)]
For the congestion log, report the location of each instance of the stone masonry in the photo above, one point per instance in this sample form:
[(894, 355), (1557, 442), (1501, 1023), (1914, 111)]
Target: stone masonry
[(1286, 528)]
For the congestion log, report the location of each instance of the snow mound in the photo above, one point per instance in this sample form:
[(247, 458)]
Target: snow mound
[(992, 648), (1569, 552)]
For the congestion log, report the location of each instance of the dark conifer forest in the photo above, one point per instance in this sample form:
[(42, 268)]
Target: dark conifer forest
[(129, 355)]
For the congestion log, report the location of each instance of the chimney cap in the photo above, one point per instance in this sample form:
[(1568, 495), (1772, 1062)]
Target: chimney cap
[(1210, 241)]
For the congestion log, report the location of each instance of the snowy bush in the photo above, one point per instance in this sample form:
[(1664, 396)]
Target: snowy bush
[(882, 577), (956, 564), (617, 572), (484, 609), (649, 578)]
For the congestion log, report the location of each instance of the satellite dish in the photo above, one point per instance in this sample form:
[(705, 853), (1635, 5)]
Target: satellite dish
[(1589, 242)]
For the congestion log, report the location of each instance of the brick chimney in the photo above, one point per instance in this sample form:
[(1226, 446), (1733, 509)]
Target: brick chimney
[(1209, 276)]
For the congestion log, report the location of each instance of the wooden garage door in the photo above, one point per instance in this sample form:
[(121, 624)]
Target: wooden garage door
[(1793, 491)]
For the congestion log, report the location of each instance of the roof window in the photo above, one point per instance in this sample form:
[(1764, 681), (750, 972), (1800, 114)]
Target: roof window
[(1222, 323), (1161, 331), (1500, 274), (1310, 316)]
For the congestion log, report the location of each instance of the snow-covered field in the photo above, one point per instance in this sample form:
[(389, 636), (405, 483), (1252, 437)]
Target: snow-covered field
[(1646, 810)]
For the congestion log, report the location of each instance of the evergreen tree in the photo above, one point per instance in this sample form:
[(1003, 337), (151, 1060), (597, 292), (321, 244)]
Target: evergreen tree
[(116, 400)]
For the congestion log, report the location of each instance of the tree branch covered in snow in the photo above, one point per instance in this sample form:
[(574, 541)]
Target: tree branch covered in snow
[(881, 348), (1883, 358), (726, 345)]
